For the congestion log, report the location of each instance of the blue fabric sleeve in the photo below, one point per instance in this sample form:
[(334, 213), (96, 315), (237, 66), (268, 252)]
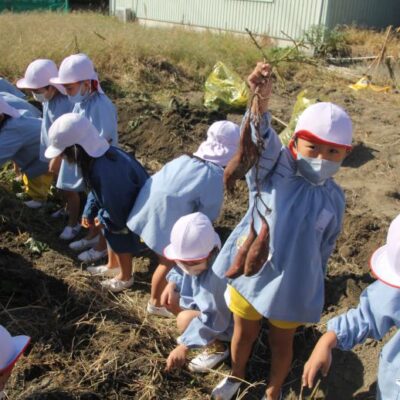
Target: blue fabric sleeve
[(10, 143), (373, 317), (175, 275), (270, 154), (91, 207), (212, 198), (214, 319)]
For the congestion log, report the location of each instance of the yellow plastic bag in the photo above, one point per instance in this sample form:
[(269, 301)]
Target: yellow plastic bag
[(365, 83), (301, 104), (225, 89)]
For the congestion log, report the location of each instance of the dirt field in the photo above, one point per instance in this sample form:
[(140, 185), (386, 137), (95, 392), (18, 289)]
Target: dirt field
[(91, 345)]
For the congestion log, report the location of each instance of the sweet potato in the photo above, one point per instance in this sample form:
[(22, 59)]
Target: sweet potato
[(244, 158), (237, 267), (259, 251)]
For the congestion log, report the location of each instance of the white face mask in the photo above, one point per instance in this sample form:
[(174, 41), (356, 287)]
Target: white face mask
[(193, 270), (39, 97), (316, 170)]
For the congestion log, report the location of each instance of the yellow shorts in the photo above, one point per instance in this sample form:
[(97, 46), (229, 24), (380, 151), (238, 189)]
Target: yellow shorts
[(242, 308)]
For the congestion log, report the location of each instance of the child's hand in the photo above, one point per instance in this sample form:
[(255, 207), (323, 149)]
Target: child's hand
[(86, 222), (169, 297), (176, 358), (260, 81), (98, 224), (320, 359)]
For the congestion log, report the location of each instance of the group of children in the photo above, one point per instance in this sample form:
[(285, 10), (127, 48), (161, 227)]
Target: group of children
[(291, 191)]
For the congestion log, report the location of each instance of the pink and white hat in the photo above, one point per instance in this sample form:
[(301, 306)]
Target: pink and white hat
[(38, 75), (192, 238), (11, 348), (221, 144), (71, 129), (76, 68), (5, 108), (385, 262), (327, 122)]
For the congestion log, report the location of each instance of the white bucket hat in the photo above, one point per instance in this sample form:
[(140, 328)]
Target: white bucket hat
[(11, 347), (38, 75), (221, 144), (70, 129), (385, 262), (328, 122), (192, 238), (5, 108), (76, 68)]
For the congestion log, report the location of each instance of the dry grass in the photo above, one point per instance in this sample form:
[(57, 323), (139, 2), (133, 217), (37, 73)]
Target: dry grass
[(118, 50)]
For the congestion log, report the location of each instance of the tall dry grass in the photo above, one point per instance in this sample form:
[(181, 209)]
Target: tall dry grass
[(116, 48)]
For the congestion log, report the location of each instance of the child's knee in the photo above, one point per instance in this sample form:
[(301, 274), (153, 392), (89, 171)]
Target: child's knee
[(183, 319)]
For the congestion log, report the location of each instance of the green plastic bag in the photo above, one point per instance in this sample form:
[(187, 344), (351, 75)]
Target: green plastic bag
[(225, 89), (301, 104)]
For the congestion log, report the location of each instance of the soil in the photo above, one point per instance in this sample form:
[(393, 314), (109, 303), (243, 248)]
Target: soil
[(90, 345)]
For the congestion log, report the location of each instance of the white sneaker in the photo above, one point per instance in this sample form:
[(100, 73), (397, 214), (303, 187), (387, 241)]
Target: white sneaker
[(83, 244), (59, 213), (207, 360), (92, 255), (116, 285), (34, 203), (70, 232), (225, 390), (159, 311), (104, 271)]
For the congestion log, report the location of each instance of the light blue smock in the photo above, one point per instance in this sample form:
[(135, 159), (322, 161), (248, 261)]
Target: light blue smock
[(6, 86), (21, 105), (377, 312), (101, 112), (115, 180), (205, 293), (183, 186), (57, 106), (304, 223), (20, 142)]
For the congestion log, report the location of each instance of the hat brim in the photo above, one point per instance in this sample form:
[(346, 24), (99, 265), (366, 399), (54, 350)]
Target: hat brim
[(24, 84), (52, 152), (382, 269), (20, 344)]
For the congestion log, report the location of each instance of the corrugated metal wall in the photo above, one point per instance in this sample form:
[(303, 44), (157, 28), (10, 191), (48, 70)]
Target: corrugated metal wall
[(261, 16), (372, 13)]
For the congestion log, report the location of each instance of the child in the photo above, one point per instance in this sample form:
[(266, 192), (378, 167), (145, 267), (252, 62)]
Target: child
[(376, 314), (304, 214), (114, 179), (8, 87), (81, 83), (187, 184), (204, 320), (22, 105), (11, 348), (20, 142), (55, 102)]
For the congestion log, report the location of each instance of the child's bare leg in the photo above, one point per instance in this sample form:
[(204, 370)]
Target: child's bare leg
[(113, 261), (281, 344), (159, 281), (125, 262), (184, 318), (245, 333), (73, 203)]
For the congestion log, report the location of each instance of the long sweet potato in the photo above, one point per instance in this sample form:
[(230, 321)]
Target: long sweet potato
[(237, 267), (259, 251)]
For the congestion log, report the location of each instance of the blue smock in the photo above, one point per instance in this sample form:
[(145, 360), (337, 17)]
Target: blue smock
[(100, 111), (304, 223), (183, 186), (22, 105), (205, 293), (20, 142), (377, 312), (6, 86), (115, 179), (57, 106)]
